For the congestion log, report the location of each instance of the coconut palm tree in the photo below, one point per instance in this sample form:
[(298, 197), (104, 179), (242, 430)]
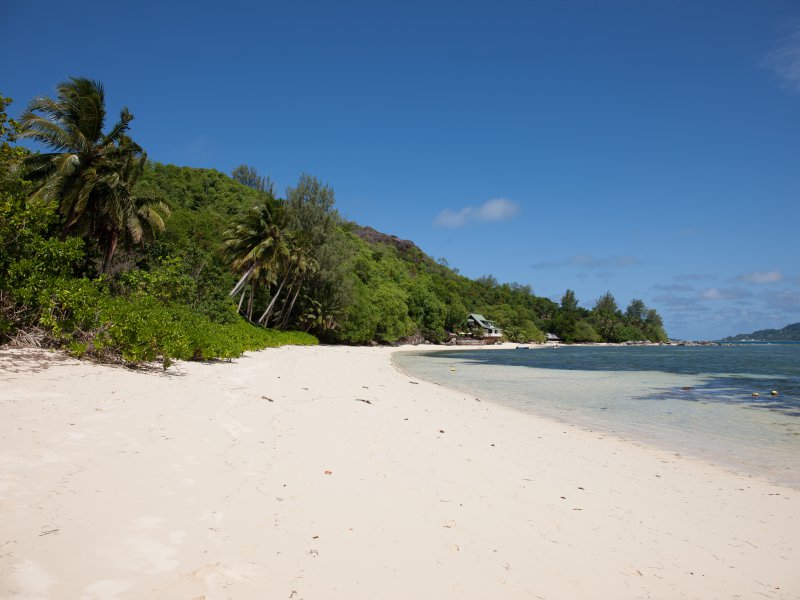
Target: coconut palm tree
[(121, 210), (302, 264), (295, 265), (257, 248), (91, 175)]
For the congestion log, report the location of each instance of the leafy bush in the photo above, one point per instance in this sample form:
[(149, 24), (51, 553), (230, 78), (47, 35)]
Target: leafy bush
[(584, 332), (89, 321), (629, 333), (524, 333)]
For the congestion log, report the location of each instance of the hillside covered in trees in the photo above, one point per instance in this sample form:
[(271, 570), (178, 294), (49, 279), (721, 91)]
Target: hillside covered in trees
[(348, 283), (790, 333), (111, 255)]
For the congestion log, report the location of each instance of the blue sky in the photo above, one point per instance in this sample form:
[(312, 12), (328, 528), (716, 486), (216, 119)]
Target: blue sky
[(647, 148)]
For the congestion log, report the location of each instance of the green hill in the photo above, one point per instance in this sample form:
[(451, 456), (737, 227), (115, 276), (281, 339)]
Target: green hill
[(371, 286), (790, 333)]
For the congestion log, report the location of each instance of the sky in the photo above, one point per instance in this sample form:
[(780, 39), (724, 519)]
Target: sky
[(647, 148)]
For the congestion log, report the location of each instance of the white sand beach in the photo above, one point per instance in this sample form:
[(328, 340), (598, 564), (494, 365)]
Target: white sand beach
[(323, 472)]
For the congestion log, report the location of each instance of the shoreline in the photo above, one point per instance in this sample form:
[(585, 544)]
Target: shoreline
[(326, 472), (774, 465)]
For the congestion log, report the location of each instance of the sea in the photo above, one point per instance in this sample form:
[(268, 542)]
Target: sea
[(736, 406)]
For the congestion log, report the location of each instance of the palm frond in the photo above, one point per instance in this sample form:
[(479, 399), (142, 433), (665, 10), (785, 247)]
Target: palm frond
[(84, 105), (45, 131), (46, 106), (125, 118), (82, 199), (134, 227), (67, 165)]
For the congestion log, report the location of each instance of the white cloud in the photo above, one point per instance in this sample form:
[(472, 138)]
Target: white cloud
[(784, 61), (496, 209), (762, 277), (723, 294), (711, 294)]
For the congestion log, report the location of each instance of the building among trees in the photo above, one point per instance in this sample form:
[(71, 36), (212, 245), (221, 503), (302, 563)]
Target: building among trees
[(484, 328)]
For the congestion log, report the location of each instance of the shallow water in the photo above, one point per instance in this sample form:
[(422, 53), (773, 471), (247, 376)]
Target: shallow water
[(696, 401)]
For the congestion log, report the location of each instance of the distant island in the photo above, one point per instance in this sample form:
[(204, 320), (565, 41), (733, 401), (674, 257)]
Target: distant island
[(790, 333)]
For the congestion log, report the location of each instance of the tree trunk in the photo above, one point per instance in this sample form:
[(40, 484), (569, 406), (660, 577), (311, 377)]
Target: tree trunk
[(242, 281), (285, 321), (267, 313), (112, 246), (250, 302)]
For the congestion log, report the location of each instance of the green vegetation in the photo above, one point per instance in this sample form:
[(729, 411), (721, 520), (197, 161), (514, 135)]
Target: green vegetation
[(606, 322), (120, 259), (76, 271), (790, 333), (91, 176)]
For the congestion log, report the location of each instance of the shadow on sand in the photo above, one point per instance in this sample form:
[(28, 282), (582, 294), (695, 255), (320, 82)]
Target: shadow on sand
[(28, 361)]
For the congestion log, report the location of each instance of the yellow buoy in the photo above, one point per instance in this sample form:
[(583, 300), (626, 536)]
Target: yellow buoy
[(755, 394), (774, 392)]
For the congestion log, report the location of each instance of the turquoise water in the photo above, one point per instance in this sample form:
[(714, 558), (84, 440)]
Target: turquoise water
[(695, 401)]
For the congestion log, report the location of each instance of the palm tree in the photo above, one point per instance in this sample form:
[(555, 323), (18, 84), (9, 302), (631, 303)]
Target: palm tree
[(295, 265), (257, 248), (121, 211), (91, 175), (302, 264)]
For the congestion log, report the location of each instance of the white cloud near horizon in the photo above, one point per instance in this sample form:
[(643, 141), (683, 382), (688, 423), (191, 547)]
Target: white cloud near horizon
[(496, 209), (784, 61), (762, 277)]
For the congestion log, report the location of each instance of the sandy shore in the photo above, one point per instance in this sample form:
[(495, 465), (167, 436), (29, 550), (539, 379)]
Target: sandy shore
[(317, 473)]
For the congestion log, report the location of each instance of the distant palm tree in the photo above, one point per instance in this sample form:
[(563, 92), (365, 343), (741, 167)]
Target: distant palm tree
[(91, 175)]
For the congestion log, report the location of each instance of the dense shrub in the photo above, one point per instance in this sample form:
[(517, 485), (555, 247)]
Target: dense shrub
[(82, 315), (144, 315), (584, 332)]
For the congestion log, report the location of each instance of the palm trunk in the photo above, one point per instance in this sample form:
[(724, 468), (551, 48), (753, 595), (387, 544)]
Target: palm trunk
[(242, 281), (250, 302), (241, 299), (112, 246), (267, 313), (291, 305)]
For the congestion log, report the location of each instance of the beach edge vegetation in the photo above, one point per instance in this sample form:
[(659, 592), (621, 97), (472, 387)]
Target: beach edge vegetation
[(62, 217), (117, 258)]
